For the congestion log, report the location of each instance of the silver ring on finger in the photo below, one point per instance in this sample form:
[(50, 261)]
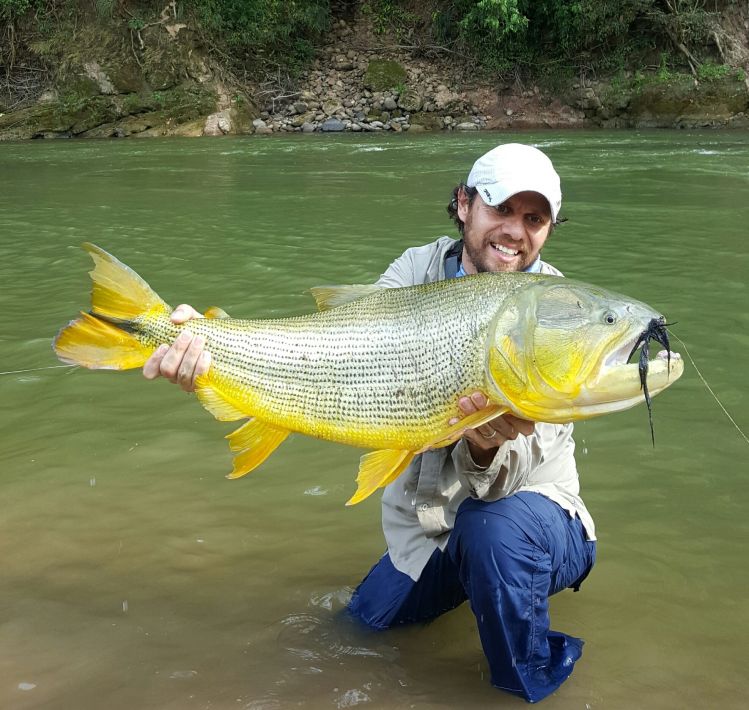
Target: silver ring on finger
[(491, 436)]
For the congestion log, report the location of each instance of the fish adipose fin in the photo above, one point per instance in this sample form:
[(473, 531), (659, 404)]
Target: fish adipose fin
[(102, 339), (327, 297), (377, 469), (254, 442), (216, 312)]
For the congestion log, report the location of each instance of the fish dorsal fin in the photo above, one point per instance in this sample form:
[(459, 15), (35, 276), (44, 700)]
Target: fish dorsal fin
[(218, 402), (254, 442), (216, 312), (377, 469), (328, 297)]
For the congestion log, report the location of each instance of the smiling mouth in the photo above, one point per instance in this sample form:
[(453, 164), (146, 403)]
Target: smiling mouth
[(504, 250)]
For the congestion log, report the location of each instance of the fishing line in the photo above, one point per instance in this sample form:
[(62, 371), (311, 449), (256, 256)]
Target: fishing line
[(709, 389), (35, 369)]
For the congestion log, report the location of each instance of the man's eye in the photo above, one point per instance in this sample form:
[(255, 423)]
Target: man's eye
[(534, 219), (502, 209)]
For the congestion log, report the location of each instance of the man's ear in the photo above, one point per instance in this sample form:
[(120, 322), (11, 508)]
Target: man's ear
[(463, 204)]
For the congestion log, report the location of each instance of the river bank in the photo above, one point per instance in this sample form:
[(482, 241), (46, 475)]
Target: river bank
[(160, 80)]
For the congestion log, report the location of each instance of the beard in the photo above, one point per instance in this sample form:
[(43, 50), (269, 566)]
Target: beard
[(480, 252)]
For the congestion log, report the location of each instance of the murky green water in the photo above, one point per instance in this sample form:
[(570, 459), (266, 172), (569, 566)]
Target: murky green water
[(135, 576)]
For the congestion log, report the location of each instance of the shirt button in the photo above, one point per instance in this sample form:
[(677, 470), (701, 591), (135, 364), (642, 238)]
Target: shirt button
[(423, 507)]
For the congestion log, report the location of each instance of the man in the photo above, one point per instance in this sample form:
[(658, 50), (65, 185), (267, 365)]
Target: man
[(495, 519)]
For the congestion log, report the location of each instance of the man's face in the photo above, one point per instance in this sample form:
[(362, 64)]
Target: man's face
[(507, 237)]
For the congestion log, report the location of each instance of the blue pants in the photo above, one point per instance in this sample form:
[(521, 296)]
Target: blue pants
[(507, 557)]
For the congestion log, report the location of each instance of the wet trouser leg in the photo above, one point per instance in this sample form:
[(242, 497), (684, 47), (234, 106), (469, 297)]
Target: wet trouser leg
[(507, 557)]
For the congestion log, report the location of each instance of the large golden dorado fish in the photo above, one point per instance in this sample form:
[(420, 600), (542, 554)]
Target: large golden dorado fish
[(384, 368)]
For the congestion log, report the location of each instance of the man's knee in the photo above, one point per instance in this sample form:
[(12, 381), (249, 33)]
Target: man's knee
[(497, 539)]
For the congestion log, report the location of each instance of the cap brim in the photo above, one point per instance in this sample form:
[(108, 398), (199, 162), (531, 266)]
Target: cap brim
[(495, 194)]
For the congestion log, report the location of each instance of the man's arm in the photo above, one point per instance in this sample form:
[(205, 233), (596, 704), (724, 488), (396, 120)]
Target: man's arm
[(498, 457)]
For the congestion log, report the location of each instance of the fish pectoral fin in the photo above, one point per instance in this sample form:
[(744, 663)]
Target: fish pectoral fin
[(327, 297), (217, 401), (216, 312), (472, 421), (254, 442), (377, 469)]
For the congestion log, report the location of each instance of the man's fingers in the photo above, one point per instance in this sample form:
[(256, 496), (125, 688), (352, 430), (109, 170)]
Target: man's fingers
[(186, 372), (472, 404), (522, 426), (479, 400), (171, 362), (185, 359), (151, 369), (184, 313)]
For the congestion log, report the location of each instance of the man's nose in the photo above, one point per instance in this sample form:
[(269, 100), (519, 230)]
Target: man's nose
[(513, 227)]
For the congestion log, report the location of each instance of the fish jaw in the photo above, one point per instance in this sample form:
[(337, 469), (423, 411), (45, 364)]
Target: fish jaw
[(618, 387), (615, 389)]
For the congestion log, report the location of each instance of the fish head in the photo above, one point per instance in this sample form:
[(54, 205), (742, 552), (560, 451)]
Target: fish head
[(558, 352)]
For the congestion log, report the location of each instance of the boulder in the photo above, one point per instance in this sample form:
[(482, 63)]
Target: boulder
[(410, 100), (332, 125), (217, 124)]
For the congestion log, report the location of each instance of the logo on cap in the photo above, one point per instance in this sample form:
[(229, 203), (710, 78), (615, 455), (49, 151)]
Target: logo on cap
[(488, 194)]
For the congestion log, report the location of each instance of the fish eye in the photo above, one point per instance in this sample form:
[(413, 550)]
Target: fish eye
[(610, 318)]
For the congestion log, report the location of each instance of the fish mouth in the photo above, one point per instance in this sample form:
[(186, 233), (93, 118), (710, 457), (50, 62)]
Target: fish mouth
[(644, 378)]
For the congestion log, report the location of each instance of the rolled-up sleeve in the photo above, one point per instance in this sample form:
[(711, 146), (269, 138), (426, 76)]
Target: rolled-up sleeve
[(508, 471)]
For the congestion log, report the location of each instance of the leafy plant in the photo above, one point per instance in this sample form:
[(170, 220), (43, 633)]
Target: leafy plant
[(709, 71), (265, 30), (389, 15)]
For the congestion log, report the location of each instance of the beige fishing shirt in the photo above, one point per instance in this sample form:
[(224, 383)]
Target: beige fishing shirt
[(419, 507)]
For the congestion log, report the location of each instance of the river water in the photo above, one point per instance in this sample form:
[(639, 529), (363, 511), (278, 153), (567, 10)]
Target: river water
[(134, 575)]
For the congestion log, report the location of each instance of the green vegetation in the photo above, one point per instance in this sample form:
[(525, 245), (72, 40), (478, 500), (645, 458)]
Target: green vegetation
[(557, 35), (137, 47), (390, 15), (260, 31), (525, 36), (384, 74)]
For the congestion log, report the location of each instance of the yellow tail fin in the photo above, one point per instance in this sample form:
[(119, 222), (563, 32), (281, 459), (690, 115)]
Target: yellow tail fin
[(103, 338)]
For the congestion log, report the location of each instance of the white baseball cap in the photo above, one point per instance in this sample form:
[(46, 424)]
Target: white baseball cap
[(511, 168)]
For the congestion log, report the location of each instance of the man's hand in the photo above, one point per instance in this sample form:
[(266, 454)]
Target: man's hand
[(484, 441), (183, 360)]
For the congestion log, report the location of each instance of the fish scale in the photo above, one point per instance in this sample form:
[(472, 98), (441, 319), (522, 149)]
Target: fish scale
[(370, 373)]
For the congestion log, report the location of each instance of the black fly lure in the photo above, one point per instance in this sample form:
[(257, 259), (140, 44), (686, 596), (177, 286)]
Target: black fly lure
[(656, 330)]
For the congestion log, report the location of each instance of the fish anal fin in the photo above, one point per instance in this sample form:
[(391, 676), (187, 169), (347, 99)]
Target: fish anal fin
[(327, 297), (218, 401), (377, 469), (472, 421), (216, 312), (254, 442)]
